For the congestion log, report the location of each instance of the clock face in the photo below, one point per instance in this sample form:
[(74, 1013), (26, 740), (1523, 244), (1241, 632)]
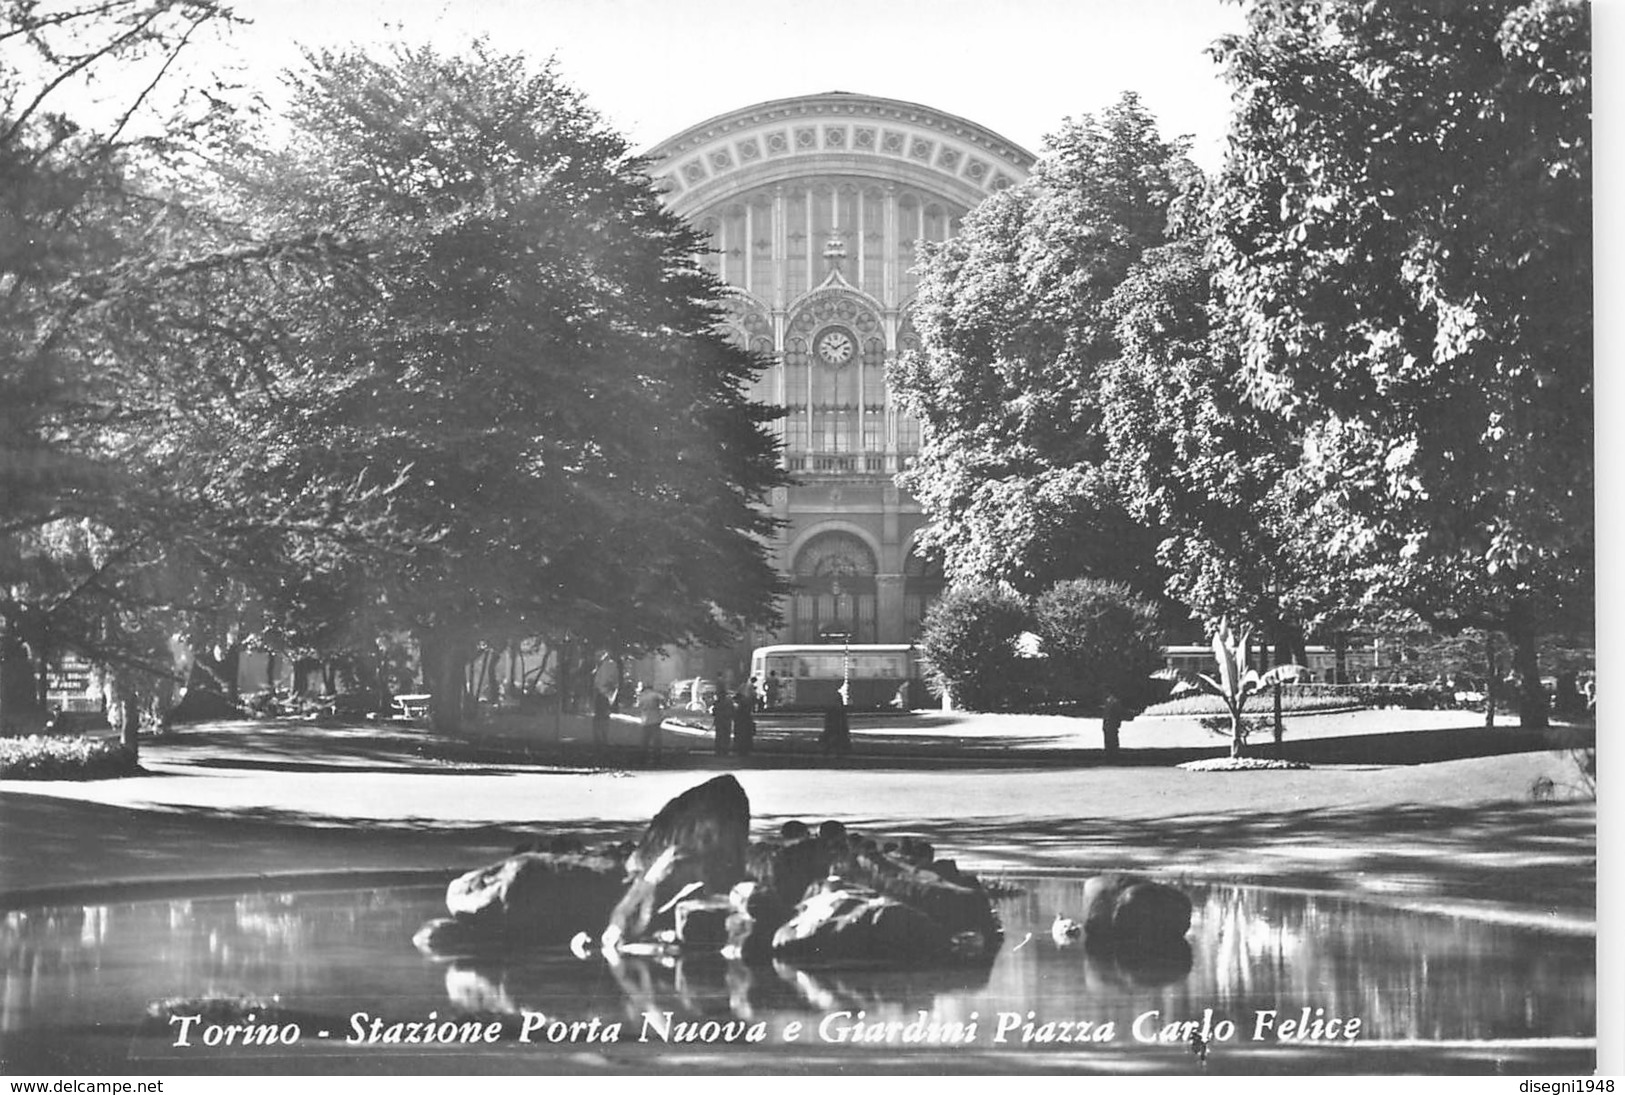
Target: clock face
[(836, 348)]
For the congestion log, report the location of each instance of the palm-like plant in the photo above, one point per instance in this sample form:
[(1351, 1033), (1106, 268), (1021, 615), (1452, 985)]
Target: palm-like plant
[(1237, 681)]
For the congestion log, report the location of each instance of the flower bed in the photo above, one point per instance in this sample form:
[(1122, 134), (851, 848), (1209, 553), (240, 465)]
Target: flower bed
[(38, 757), (1240, 764)]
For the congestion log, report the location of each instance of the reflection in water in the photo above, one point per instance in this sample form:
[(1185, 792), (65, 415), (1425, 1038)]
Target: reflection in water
[(1405, 975)]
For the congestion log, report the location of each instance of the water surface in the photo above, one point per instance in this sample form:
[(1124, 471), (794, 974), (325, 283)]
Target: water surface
[(1270, 979)]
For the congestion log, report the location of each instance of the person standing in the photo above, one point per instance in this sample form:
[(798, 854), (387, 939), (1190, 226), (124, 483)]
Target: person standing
[(770, 691), (722, 721), (837, 737), (745, 721), (606, 679), (600, 718), (1111, 722), (651, 713)]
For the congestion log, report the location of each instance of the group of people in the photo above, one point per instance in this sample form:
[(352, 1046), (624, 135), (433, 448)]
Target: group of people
[(733, 720)]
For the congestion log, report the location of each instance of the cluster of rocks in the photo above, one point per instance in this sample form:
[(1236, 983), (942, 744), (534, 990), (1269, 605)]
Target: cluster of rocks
[(695, 881)]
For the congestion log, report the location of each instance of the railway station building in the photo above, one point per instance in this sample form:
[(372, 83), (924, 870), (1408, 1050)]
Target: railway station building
[(816, 209)]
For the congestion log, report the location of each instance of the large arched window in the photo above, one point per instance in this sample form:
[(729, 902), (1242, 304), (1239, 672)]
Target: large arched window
[(749, 328), (908, 427), (834, 360), (782, 230), (835, 594)]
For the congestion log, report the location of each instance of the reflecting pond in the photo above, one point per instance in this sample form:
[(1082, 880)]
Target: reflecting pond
[(1271, 980)]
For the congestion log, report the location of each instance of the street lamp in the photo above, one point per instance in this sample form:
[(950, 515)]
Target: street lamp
[(845, 691)]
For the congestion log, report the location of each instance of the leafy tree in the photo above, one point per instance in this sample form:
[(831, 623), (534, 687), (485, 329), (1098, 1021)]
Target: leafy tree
[(1099, 640), (969, 644), (1192, 457), (1015, 329), (78, 233), (1404, 233), (532, 353)]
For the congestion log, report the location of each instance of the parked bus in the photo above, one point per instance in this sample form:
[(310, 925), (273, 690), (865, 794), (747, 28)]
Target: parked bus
[(880, 675)]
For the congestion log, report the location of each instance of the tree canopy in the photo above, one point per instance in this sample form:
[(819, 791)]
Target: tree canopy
[(1192, 457), (1015, 329), (1404, 239), (532, 354), (97, 545), (424, 354)]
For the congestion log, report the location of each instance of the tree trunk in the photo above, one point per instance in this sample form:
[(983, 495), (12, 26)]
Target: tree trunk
[(384, 688), (301, 675), (1284, 655), (1532, 700), (123, 709), (129, 733), (445, 656), (488, 676), (214, 675), (1491, 680), (44, 690), (19, 685)]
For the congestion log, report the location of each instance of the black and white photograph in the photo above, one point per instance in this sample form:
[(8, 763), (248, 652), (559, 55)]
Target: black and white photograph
[(609, 538)]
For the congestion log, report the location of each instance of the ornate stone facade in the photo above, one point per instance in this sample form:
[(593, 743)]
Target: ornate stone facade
[(817, 209)]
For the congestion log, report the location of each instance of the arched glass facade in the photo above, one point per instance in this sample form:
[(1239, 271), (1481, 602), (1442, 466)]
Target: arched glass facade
[(817, 211)]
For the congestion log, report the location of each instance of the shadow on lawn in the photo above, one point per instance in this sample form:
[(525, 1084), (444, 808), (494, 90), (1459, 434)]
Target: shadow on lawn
[(926, 751), (1538, 856), (287, 746)]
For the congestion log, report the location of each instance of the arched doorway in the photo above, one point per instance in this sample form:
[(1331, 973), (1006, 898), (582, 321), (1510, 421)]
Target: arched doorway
[(835, 597)]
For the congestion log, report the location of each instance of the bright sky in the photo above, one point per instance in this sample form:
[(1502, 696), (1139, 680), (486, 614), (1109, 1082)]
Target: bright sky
[(655, 67)]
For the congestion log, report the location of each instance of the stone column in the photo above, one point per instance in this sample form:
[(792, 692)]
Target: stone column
[(889, 246), (722, 246), (780, 250), (750, 248), (889, 624)]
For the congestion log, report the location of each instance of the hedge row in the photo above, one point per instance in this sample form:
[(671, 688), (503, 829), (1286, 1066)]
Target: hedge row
[(1308, 698), (37, 757)]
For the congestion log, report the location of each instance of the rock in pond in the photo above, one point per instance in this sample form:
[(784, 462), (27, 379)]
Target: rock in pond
[(703, 921), (1127, 909), (842, 921), (695, 844), (950, 898), (534, 896)]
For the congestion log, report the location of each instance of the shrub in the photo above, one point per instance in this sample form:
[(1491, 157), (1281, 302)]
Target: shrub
[(37, 757), (1412, 697), (1100, 639), (968, 642)]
